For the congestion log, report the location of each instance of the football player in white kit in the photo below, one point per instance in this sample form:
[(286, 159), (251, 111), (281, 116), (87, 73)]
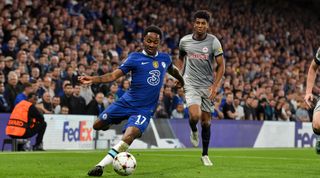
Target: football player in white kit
[(198, 51), (311, 100)]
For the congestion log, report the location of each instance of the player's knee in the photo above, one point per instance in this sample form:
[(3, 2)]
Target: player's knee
[(205, 124), (100, 125), (195, 116), (316, 127), (316, 123), (316, 131), (97, 126)]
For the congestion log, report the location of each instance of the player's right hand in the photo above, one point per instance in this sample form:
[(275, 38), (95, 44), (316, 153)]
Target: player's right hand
[(213, 90), (309, 99), (86, 80)]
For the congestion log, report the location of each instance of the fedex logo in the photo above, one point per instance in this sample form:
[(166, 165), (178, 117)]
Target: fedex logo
[(80, 133), (304, 136)]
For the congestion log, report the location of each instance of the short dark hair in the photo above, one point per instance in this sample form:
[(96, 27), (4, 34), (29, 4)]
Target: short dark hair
[(93, 62), (30, 95), (24, 73), (68, 84), (26, 85), (154, 29), (81, 65), (202, 14)]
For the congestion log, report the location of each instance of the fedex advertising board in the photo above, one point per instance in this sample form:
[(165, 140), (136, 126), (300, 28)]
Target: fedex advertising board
[(70, 132)]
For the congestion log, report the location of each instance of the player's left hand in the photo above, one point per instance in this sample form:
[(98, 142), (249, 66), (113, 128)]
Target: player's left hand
[(85, 80), (213, 89)]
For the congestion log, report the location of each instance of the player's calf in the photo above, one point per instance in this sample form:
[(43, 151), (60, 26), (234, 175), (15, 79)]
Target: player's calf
[(195, 115), (193, 125), (205, 134), (131, 134)]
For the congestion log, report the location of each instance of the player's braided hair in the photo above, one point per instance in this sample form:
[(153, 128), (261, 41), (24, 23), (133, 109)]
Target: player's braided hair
[(202, 14), (154, 29)]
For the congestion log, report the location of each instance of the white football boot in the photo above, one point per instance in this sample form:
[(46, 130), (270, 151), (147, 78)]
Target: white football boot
[(206, 161)]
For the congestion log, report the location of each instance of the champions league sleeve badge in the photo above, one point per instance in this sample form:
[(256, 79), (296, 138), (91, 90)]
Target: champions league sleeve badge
[(163, 64)]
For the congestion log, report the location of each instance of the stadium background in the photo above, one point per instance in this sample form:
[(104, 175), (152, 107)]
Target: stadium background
[(268, 46)]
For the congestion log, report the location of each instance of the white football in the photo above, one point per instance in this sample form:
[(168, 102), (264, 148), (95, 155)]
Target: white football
[(124, 163)]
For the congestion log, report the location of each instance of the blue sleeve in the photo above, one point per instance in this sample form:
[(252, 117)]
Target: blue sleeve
[(170, 62), (18, 99), (127, 65)]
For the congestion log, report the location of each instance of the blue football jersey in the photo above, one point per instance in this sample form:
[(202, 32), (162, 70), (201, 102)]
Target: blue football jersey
[(147, 73)]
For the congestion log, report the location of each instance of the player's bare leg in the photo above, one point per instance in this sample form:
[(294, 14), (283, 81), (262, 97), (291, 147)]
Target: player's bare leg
[(128, 137), (131, 134), (316, 129), (205, 135), (194, 117)]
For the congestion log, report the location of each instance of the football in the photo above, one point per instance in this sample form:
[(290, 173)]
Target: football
[(124, 164)]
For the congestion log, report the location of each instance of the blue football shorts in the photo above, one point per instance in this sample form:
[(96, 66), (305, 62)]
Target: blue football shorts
[(115, 114)]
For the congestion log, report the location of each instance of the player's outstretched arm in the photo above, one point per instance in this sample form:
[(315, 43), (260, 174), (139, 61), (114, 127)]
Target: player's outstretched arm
[(173, 70), (312, 73), (109, 77)]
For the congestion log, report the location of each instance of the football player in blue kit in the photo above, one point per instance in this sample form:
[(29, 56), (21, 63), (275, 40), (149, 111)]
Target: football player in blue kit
[(148, 69)]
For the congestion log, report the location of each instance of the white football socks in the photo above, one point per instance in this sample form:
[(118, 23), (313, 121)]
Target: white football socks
[(120, 147)]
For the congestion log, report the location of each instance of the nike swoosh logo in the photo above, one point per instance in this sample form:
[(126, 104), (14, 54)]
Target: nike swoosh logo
[(143, 63)]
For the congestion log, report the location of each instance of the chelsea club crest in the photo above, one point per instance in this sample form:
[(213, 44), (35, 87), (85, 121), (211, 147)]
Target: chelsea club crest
[(155, 64)]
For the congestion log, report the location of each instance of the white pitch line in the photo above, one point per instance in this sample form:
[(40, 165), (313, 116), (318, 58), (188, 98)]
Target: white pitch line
[(237, 157)]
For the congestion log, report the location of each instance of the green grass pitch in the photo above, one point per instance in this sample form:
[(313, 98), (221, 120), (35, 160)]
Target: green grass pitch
[(168, 163)]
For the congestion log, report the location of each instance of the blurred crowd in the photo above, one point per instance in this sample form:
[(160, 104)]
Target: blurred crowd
[(45, 45)]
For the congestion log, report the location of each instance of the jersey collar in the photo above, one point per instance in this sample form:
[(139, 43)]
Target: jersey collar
[(199, 39), (145, 53)]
